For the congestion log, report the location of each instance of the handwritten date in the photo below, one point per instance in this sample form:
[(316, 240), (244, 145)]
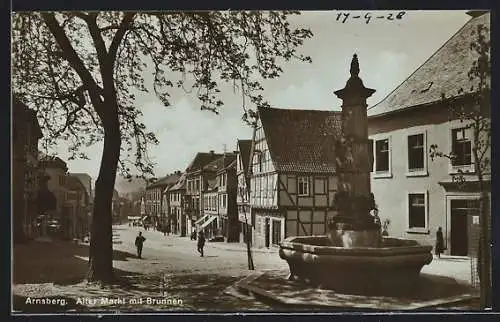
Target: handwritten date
[(369, 17)]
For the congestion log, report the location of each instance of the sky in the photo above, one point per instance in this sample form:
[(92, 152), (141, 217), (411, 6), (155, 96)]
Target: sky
[(388, 52)]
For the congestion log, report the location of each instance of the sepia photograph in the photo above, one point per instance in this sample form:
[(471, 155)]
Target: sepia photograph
[(250, 161)]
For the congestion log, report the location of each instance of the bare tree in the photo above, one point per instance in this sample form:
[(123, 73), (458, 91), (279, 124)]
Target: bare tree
[(80, 70), (474, 112)]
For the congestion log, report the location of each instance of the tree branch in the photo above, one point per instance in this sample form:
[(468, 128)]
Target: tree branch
[(115, 43), (98, 41), (72, 57)]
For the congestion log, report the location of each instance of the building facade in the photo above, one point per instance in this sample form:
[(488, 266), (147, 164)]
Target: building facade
[(176, 195), (243, 189), (415, 193), (196, 181), (210, 223), (26, 133), (75, 220), (56, 172), (215, 192), (156, 211), (292, 173), (227, 183)]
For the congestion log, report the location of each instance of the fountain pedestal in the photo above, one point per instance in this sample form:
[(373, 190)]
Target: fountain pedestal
[(353, 257), (392, 267)]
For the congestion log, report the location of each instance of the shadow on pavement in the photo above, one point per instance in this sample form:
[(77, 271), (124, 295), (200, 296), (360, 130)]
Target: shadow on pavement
[(55, 262), (275, 290)]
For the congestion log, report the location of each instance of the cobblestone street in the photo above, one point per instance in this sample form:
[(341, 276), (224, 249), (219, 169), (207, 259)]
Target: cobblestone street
[(170, 277), (170, 268)]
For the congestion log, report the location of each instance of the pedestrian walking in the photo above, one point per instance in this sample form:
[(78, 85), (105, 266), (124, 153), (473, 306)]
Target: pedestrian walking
[(376, 218), (201, 242), (139, 241), (439, 242)]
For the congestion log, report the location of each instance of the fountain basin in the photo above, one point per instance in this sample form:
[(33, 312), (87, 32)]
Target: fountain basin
[(393, 266)]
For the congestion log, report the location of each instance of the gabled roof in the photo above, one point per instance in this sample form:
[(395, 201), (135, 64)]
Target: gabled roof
[(212, 185), (168, 180), (201, 159), (445, 72), (301, 140), (73, 183), (221, 163), (51, 161), (179, 185), (244, 147)]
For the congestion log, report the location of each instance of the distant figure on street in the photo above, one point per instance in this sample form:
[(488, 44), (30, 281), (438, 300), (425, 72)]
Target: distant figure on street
[(193, 235), (376, 218), (139, 241), (201, 242), (439, 242)]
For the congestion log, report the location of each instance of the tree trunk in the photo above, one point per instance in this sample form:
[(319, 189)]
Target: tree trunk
[(485, 252), (101, 242)]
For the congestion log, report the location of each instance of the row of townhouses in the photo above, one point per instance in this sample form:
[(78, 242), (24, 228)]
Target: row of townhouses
[(283, 181), (46, 197)]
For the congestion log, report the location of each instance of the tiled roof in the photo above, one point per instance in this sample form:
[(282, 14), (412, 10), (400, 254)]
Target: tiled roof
[(168, 180), (301, 140), (445, 72), (244, 147), (220, 163), (201, 159), (180, 184)]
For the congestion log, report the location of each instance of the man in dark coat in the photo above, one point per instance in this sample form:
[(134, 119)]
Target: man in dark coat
[(201, 242), (439, 242), (139, 241)]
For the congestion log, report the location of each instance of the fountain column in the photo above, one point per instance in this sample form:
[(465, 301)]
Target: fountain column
[(354, 226)]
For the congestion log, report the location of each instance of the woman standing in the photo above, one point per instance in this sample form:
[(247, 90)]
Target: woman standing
[(439, 242)]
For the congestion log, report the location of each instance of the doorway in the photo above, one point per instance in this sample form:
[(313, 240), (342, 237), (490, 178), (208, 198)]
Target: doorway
[(461, 214)]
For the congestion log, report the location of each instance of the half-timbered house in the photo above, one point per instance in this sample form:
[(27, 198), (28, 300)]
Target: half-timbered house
[(292, 173), (242, 193)]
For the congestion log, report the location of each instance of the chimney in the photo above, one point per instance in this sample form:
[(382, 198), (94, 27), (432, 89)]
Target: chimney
[(212, 154)]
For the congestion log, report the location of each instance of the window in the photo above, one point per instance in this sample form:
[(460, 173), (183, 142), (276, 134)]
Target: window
[(417, 211), (319, 186), (276, 236), (224, 201), (461, 147), (382, 155), (303, 186), (416, 152)]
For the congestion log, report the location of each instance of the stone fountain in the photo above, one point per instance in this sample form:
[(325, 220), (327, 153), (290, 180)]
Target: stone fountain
[(354, 257)]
